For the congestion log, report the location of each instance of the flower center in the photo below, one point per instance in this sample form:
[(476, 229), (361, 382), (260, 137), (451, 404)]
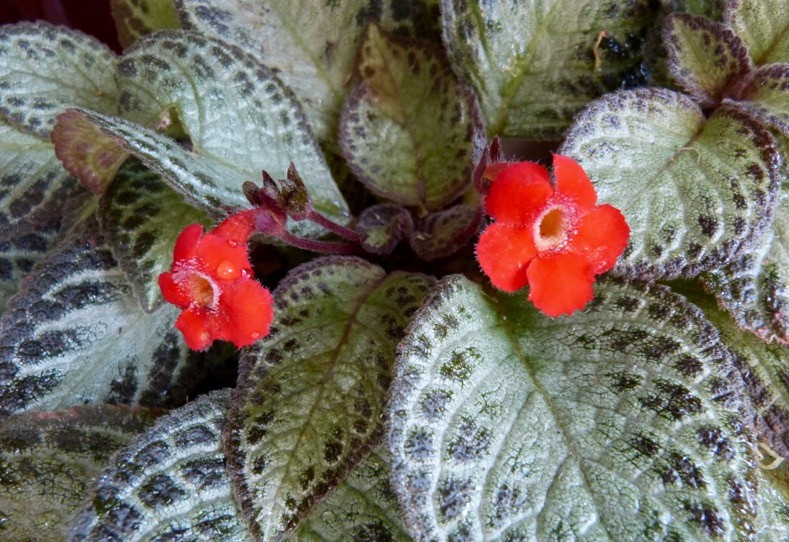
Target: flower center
[(550, 230), (203, 291)]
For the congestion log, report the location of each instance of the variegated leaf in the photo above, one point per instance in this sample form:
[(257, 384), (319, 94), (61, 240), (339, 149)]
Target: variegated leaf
[(383, 226), (623, 422), (137, 18), (695, 191), (442, 234), (764, 27), (766, 96), (310, 400), (47, 461)]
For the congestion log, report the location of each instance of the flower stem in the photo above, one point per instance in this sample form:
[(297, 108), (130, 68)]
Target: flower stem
[(342, 231), (326, 247)]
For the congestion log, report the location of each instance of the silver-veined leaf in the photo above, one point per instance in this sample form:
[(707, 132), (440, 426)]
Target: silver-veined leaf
[(137, 18), (766, 96), (764, 27)]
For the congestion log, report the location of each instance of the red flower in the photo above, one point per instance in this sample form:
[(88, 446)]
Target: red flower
[(211, 279), (554, 239)]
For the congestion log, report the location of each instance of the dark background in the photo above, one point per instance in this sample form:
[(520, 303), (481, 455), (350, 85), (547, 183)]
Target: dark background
[(90, 16)]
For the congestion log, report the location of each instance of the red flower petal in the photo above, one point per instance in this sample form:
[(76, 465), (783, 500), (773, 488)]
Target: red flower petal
[(223, 258), (504, 252), (572, 181), (186, 244), (519, 193), (173, 292), (560, 283), (237, 228), (197, 328), (246, 305), (601, 237)]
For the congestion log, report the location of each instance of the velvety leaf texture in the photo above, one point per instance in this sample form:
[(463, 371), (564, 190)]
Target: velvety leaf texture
[(74, 334), (694, 191), (47, 461), (310, 400), (137, 18), (143, 217), (623, 422), (766, 96), (441, 234), (44, 69), (763, 26), (169, 484), (407, 93), (363, 507), (533, 63), (704, 57), (383, 226)]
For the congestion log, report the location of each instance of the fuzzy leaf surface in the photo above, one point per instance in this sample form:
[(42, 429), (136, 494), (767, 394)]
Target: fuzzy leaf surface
[(694, 191), (623, 422), (704, 57), (137, 18), (767, 96), (142, 218), (47, 461), (441, 234), (44, 69), (169, 484), (383, 226), (763, 26), (74, 334), (361, 507), (405, 95), (532, 64), (309, 403)]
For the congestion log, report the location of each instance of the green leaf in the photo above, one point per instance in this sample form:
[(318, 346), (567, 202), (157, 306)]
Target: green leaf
[(406, 94), (74, 334), (44, 69), (764, 27), (442, 234), (48, 460), (137, 18), (361, 507), (695, 191), (32, 180), (533, 63), (383, 226), (622, 422), (142, 218), (310, 399), (766, 96), (704, 57), (169, 484)]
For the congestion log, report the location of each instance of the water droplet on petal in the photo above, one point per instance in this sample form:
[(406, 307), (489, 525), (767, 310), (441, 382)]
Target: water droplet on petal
[(232, 243), (227, 270)]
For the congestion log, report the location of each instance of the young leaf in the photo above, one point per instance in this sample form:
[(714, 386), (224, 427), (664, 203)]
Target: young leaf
[(766, 96), (169, 484), (763, 26), (754, 288), (137, 18), (44, 69), (704, 57), (383, 226), (361, 507), (309, 403), (74, 335), (695, 191), (622, 422), (444, 233), (142, 218), (535, 64), (48, 460), (406, 94)]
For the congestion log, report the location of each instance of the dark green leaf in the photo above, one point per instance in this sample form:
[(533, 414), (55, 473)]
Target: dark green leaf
[(406, 94), (310, 400), (137, 18), (623, 422), (764, 27), (48, 460), (169, 484), (383, 226), (695, 191), (535, 64), (704, 57), (444, 233)]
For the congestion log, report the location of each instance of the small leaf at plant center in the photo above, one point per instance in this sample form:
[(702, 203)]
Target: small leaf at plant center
[(137, 18)]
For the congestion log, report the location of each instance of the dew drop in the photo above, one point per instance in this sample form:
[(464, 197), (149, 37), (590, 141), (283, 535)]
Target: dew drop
[(227, 270), (232, 243)]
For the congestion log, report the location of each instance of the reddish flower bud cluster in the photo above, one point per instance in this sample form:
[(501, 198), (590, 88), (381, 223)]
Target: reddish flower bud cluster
[(555, 239), (211, 279)]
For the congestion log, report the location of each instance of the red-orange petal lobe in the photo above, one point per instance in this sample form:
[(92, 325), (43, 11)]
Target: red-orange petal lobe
[(197, 328), (186, 244), (222, 258), (237, 227), (246, 307), (519, 193), (573, 182), (504, 252), (601, 237), (560, 283), (173, 292)]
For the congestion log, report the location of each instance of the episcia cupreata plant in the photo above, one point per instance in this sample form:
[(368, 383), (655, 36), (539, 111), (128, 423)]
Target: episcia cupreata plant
[(277, 272)]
